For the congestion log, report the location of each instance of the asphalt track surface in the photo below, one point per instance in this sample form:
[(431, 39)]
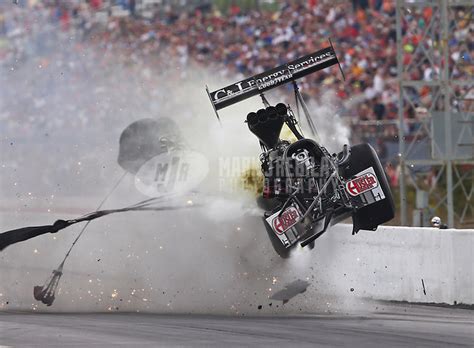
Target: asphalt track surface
[(396, 326)]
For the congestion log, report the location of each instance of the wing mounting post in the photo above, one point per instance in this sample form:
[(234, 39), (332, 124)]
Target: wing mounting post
[(264, 100), (300, 101)]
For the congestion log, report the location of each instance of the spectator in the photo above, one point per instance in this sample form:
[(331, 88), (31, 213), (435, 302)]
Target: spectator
[(379, 108)]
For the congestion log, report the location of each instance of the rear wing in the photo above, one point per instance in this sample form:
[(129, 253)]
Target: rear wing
[(270, 79)]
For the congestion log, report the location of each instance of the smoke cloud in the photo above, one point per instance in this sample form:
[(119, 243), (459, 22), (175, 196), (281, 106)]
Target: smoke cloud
[(62, 115)]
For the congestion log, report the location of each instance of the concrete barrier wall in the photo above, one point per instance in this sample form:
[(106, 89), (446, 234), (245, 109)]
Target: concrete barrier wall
[(391, 263)]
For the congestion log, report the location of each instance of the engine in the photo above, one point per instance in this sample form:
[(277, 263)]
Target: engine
[(288, 168)]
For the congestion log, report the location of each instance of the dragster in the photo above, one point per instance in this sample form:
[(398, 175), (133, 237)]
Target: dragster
[(307, 189)]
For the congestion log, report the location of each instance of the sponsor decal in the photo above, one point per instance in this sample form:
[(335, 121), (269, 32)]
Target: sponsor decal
[(361, 184), (287, 220), (234, 90), (309, 61), (273, 77), (172, 172)]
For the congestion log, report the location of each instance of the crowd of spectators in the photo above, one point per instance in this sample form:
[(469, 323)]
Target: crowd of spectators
[(231, 45)]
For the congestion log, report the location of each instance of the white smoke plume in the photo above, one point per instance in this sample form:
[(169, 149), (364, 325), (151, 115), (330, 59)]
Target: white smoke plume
[(62, 116)]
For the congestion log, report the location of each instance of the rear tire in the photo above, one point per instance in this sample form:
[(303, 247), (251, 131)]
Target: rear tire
[(370, 217)]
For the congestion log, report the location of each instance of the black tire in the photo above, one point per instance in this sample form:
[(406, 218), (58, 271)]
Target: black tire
[(363, 156), (278, 246)]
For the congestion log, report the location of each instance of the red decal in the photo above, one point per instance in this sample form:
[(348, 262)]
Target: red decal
[(286, 220), (361, 184)]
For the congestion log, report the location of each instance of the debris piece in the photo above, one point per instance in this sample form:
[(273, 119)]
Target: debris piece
[(290, 290), (423, 283)]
